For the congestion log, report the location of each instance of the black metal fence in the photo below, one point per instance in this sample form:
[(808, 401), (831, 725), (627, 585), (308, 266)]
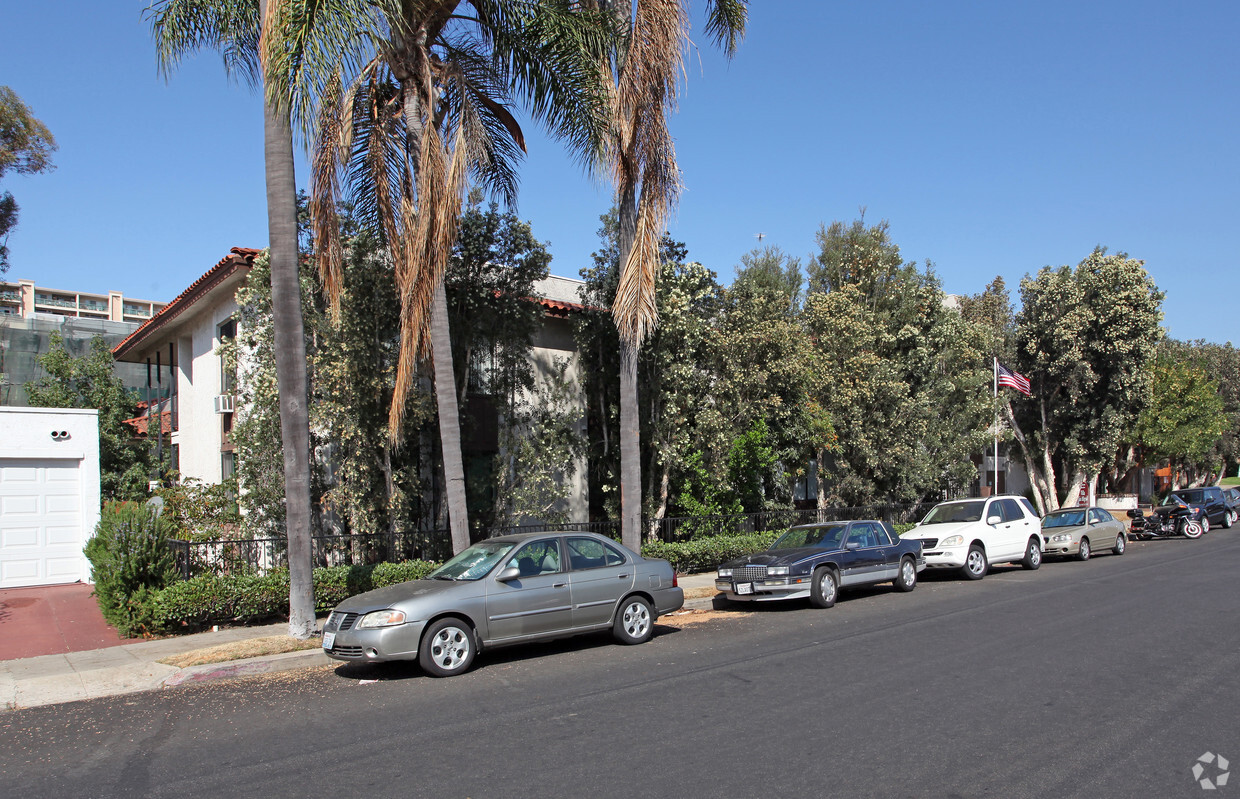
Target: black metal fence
[(260, 555)]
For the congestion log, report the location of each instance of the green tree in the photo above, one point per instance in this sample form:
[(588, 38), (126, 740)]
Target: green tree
[(771, 270), (26, 147), (90, 382), (235, 28), (1184, 418), (1086, 338), (900, 374)]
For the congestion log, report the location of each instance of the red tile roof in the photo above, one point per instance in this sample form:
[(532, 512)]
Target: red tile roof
[(238, 258)]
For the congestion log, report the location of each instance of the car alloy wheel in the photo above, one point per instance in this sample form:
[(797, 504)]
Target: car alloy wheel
[(975, 563), (634, 623), (825, 588), (447, 648), (1229, 519), (1084, 552), (1205, 523), (1120, 544), (907, 580), (1033, 555)]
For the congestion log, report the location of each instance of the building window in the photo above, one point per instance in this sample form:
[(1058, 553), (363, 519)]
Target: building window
[(228, 374)]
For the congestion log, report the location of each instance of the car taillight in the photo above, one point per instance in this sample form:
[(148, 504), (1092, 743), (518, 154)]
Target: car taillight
[(675, 579)]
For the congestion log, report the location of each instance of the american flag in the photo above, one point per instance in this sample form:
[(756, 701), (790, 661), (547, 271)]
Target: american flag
[(1013, 379)]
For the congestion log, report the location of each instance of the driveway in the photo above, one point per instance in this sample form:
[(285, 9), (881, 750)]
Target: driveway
[(52, 620)]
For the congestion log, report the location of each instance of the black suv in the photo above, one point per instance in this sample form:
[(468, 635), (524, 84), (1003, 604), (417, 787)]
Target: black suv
[(1211, 500)]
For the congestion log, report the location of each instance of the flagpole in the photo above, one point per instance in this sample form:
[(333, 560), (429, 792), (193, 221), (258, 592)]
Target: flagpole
[(996, 376)]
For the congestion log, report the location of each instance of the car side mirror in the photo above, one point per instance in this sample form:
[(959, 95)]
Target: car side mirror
[(852, 545), (994, 519), (508, 573)]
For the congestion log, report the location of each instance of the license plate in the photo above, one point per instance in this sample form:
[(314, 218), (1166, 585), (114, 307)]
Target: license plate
[(329, 640), (744, 588)]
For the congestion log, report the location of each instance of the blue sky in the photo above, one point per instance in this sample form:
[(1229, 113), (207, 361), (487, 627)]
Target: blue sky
[(995, 138)]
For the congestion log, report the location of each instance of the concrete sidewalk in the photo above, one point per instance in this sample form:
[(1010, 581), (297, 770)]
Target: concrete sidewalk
[(132, 667)]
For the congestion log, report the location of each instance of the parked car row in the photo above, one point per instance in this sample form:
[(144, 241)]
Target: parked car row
[(537, 586)]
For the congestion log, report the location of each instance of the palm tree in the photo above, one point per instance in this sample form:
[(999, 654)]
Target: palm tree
[(234, 27), (420, 111), (642, 158)]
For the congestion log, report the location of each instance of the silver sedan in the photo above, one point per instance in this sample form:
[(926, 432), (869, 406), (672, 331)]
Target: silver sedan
[(506, 590), (1080, 532)]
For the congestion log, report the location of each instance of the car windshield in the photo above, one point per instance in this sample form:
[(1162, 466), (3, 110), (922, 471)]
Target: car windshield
[(827, 537), (1173, 499), (955, 512), (1067, 518), (473, 563)]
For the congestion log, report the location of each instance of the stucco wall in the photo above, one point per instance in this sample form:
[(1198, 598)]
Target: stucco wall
[(200, 431)]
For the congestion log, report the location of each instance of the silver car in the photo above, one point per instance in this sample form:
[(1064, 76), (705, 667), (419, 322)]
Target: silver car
[(506, 590), (1080, 532)]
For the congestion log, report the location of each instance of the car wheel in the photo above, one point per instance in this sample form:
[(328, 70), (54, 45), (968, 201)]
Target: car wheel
[(1033, 555), (825, 588), (1205, 523), (974, 563), (907, 580), (635, 621), (1083, 552), (1229, 519), (1190, 529), (447, 648), (1121, 544)]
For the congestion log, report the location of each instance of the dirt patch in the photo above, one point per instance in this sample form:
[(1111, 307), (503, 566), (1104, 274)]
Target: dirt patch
[(684, 618), (239, 650), (700, 593)]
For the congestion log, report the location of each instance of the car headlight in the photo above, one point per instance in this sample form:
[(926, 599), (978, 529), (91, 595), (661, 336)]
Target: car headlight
[(777, 571), (1062, 537), (381, 618), (725, 572), (952, 541)]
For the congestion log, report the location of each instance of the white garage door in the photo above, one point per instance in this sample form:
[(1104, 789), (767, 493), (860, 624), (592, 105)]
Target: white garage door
[(41, 535)]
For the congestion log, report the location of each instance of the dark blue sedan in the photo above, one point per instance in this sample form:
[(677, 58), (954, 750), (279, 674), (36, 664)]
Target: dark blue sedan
[(816, 560)]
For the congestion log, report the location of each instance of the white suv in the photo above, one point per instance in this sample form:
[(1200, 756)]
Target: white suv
[(972, 534)]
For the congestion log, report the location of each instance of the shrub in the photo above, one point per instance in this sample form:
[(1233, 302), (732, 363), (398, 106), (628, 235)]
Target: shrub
[(250, 597), (704, 554), (130, 563)]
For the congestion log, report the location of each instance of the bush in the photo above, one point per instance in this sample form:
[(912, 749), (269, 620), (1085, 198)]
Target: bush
[(250, 597), (704, 554), (130, 564)]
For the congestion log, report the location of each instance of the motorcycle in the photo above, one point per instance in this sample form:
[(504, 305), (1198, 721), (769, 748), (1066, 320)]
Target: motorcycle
[(1167, 521)]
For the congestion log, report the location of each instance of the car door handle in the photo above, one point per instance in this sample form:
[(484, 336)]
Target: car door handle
[(559, 585), (621, 577)]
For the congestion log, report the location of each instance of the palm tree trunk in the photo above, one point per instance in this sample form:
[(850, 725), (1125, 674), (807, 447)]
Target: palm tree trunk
[(630, 431), (449, 422), (290, 362)]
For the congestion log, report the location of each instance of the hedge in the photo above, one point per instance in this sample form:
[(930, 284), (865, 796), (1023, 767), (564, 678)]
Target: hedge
[(704, 554), (250, 597)]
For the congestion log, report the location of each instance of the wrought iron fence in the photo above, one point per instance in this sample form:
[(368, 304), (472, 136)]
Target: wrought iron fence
[(260, 555)]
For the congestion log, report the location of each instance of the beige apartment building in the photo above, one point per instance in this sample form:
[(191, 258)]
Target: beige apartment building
[(24, 299)]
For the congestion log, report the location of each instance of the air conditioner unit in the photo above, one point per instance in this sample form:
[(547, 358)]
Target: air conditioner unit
[(225, 403)]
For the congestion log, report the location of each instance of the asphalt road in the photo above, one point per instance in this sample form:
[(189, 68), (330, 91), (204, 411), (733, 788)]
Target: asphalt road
[(1100, 679)]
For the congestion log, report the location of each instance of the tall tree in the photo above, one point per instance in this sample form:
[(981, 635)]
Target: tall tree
[(645, 70), (420, 107), (237, 28), (1086, 338), (26, 147), (1184, 418)]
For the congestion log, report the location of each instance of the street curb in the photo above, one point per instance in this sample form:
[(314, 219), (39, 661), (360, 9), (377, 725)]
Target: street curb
[(265, 664)]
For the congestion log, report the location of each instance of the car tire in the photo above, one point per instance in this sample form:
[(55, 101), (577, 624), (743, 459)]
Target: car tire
[(1190, 529), (907, 577), (448, 648), (1205, 523), (1033, 555), (975, 565), (1121, 544), (1084, 550), (1229, 519), (825, 588), (634, 622)]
